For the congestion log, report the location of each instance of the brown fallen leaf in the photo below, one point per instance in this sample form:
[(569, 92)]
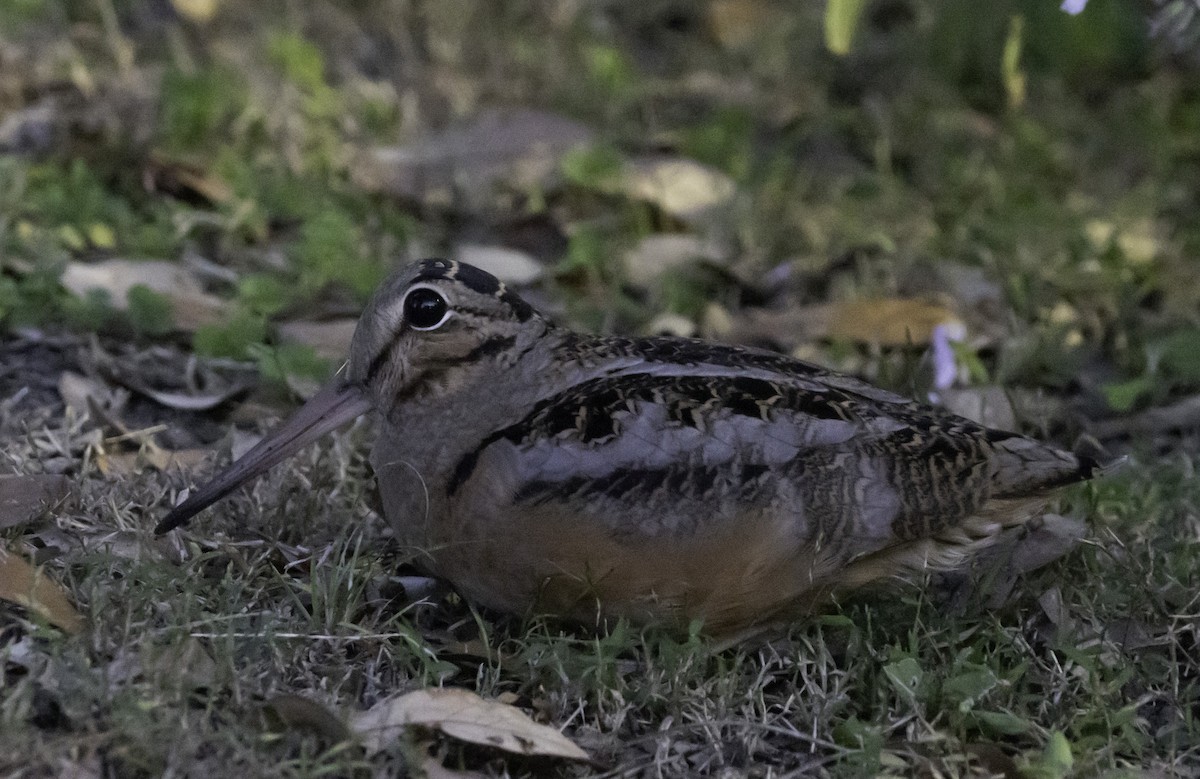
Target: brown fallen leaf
[(24, 496), (738, 24), (463, 715), (886, 322), (24, 585), (129, 463), (295, 712), (184, 179)]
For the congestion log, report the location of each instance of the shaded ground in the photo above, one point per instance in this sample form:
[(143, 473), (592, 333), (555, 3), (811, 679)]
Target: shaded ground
[(703, 168)]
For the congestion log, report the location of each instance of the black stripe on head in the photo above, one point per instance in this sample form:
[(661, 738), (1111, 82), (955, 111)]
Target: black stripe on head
[(475, 280)]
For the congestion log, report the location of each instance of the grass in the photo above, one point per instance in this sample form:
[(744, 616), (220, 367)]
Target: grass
[(191, 639), (235, 646)]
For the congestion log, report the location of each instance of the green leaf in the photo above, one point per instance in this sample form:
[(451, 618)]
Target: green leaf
[(967, 688), (1056, 760), (1179, 354), (195, 106), (331, 248), (609, 69), (594, 167), (1123, 395), (149, 311), (1010, 63), (232, 339), (841, 22), (297, 360), (94, 311), (300, 60), (587, 249), (905, 675), (263, 294), (855, 733)]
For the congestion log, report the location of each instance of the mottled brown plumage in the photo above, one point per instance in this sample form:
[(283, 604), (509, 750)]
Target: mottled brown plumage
[(664, 479)]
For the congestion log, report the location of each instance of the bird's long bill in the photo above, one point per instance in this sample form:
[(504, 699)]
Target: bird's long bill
[(336, 404)]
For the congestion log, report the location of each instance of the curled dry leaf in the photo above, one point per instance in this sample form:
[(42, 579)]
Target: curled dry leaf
[(463, 715), (22, 497), (183, 401), (24, 585)]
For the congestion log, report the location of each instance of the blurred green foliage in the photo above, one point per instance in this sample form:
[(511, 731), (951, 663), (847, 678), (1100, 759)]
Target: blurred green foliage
[(912, 145)]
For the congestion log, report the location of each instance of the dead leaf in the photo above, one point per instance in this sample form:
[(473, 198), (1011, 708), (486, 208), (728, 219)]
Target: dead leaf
[(988, 406), (681, 187), (509, 265), (656, 254), (676, 325), (187, 402), (188, 662), (295, 712), (1046, 539), (129, 463), (738, 24), (24, 496), (80, 393), (895, 322), (330, 339), (24, 585), (521, 148), (184, 180), (889, 322), (463, 715), (191, 306), (198, 11)]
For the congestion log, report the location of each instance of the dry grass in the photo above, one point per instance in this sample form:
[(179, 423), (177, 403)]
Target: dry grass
[(292, 589)]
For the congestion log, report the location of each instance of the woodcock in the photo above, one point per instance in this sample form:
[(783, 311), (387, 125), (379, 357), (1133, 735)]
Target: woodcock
[(657, 479)]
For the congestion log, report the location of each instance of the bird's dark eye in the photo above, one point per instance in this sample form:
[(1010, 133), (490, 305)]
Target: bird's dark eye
[(425, 309)]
